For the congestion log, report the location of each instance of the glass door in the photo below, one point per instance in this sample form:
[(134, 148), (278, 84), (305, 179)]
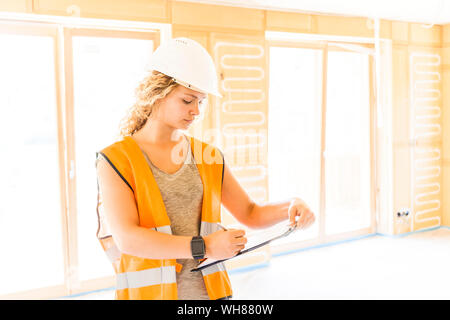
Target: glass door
[(294, 128), (347, 143), (320, 137)]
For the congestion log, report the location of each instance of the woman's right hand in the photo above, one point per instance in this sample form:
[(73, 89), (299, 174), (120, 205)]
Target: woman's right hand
[(224, 244)]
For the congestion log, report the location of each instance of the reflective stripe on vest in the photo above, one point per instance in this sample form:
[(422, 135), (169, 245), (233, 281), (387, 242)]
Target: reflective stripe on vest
[(219, 267), (208, 228), (145, 278)]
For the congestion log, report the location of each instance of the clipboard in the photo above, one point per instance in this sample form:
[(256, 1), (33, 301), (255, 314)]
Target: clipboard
[(205, 265)]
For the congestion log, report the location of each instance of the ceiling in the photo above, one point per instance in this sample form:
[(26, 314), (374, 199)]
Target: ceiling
[(421, 11)]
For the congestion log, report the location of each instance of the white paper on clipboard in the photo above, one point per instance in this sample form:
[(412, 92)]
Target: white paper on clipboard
[(255, 240)]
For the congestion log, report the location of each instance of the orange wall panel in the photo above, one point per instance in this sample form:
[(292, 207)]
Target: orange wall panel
[(289, 21), (24, 6), (446, 124), (214, 16), (136, 10)]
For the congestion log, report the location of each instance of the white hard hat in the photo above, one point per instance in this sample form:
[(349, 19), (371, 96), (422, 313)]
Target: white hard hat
[(188, 63)]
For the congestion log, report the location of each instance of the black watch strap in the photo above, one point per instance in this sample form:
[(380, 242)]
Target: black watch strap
[(198, 248)]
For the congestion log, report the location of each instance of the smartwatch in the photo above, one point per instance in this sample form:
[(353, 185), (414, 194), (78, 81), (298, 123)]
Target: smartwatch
[(198, 248)]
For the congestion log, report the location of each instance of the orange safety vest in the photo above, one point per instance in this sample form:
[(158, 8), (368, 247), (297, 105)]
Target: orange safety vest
[(141, 278)]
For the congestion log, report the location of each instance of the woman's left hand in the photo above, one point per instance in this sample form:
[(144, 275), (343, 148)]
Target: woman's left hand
[(298, 208)]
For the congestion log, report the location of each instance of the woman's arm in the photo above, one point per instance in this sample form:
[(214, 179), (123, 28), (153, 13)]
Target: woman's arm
[(122, 218), (255, 216)]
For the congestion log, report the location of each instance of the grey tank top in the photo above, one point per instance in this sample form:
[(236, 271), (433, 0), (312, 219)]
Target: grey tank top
[(182, 193)]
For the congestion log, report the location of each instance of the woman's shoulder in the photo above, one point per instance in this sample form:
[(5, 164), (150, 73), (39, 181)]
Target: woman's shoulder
[(115, 153), (118, 157)]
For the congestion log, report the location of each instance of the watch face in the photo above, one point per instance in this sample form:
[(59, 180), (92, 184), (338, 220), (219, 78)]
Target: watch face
[(198, 248)]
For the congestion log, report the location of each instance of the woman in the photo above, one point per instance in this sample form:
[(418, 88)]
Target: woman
[(159, 216)]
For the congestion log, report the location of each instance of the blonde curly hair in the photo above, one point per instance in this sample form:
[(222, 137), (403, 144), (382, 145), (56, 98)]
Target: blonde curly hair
[(150, 91)]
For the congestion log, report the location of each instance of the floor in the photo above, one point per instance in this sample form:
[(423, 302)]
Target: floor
[(416, 266)]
